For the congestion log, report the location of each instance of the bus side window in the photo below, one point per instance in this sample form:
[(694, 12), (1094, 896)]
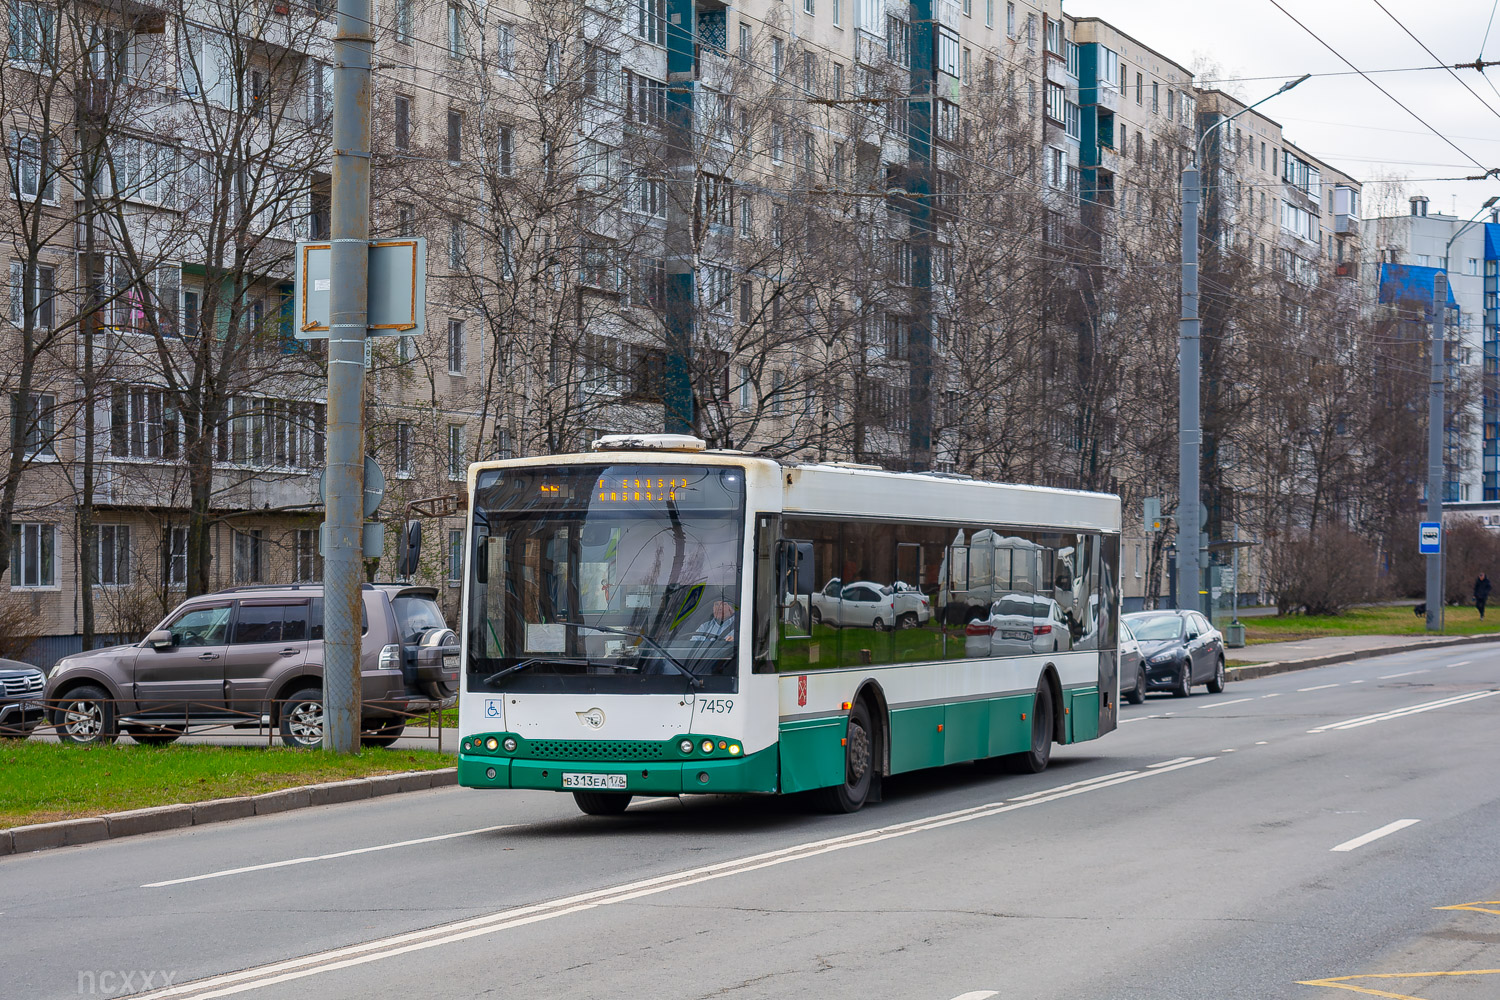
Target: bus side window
[(766, 605)]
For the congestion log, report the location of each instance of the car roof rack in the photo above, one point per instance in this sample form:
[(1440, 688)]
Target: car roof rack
[(309, 585)]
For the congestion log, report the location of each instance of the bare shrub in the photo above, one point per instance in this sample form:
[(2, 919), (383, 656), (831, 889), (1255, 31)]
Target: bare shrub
[(1322, 573), (1471, 549), (20, 626)]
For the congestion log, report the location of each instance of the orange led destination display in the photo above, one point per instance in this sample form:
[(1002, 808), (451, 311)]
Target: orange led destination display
[(642, 489)]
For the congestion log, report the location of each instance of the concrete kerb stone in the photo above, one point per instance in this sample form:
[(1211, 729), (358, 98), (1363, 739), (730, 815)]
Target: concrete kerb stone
[(1254, 670), (287, 798), (64, 833), (333, 792), (152, 820), (7, 846), (220, 810)]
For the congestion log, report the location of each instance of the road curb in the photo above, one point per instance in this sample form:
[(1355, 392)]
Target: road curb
[(133, 822), (1255, 670)]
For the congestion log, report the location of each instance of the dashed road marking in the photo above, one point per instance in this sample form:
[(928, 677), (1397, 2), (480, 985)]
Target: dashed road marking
[(1319, 687), (1401, 713), (1404, 673), (1169, 763), (1374, 835), (1221, 704)]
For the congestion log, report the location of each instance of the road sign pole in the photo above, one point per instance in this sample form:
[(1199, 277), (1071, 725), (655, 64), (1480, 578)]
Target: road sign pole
[(348, 308), (1435, 420)]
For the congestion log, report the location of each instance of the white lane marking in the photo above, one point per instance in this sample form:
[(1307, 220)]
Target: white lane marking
[(1169, 763), (1400, 713), (1320, 687), (1076, 784), (1384, 831), (461, 930), (1408, 673), (978, 995), (1273, 694), (1261, 743), (1227, 750), (1361, 681), (1141, 718), (1221, 704), (326, 857), (1461, 663)]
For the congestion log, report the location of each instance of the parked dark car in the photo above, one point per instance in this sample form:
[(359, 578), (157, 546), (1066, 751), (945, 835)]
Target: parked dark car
[(254, 655), (20, 698), (1180, 649), (1132, 666)]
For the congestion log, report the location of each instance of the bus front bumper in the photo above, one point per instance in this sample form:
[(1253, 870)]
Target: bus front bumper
[(756, 772)]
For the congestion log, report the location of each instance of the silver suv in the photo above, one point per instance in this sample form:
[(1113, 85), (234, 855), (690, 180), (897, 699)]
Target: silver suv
[(250, 656)]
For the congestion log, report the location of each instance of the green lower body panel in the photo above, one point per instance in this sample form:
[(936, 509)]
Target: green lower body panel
[(812, 753), (933, 735), (917, 737), (754, 772), (1083, 715)]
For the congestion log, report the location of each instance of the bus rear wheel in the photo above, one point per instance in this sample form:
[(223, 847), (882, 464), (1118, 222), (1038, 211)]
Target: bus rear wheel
[(602, 803), (1034, 761), (859, 765)]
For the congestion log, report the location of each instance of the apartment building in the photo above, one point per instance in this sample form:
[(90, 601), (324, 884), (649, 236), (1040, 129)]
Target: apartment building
[(1422, 243)]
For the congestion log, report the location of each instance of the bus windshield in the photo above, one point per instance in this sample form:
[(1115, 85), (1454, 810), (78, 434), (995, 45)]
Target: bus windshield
[(606, 579)]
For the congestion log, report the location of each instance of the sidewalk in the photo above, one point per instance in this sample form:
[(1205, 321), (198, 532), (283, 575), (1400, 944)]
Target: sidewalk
[(1279, 657)]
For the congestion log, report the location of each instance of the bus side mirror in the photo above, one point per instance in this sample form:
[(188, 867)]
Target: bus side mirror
[(794, 562)]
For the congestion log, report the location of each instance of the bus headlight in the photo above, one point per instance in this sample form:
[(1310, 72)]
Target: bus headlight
[(734, 749), (707, 746), (510, 745), (686, 746), (491, 743)]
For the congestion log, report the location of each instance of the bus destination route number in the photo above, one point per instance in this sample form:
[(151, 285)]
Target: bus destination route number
[(718, 706)]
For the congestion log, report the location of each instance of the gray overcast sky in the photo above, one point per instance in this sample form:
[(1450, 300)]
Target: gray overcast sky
[(1344, 119)]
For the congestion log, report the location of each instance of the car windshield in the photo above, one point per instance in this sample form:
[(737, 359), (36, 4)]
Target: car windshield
[(1157, 627), (648, 554), (415, 615)]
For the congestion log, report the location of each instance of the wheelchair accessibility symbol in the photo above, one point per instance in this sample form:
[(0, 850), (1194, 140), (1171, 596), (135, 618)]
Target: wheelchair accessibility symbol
[(492, 708)]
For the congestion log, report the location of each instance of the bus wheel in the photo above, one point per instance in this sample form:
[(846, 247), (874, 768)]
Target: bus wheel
[(1034, 761), (601, 803), (859, 765)]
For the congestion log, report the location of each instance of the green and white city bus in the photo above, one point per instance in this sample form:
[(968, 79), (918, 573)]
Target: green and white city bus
[(654, 618)]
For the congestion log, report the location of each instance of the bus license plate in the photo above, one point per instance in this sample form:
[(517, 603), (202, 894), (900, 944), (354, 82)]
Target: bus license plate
[(611, 781)]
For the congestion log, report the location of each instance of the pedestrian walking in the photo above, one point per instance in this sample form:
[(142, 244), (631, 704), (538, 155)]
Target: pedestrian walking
[(1481, 593)]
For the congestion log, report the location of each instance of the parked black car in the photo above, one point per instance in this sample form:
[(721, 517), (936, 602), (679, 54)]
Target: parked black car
[(20, 698), (1180, 649)]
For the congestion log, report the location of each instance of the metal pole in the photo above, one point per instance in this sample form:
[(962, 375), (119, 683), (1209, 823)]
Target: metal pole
[(681, 266), (919, 208), (1435, 421), (1189, 430), (349, 300)]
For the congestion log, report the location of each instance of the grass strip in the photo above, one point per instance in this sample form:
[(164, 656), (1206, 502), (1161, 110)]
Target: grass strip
[(1392, 620), (43, 782)]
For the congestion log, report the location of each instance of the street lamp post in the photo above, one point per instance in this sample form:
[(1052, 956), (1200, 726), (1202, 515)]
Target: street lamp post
[(1437, 411), (1189, 377)]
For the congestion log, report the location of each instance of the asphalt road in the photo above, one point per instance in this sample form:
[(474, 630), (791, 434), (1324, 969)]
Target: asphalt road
[(1307, 827)]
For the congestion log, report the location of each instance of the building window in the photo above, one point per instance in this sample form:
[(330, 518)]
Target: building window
[(778, 140), (1010, 20), (1155, 97), (455, 137), (31, 32), (249, 556), (43, 294), (778, 53), (142, 423), (403, 21), (808, 71), (455, 556), (807, 7), (175, 557), (650, 21), (455, 31), (505, 48), (947, 51), (747, 218), (38, 423), (456, 461), (456, 252), (33, 556), (746, 388), (505, 151), (456, 347), (838, 81), (404, 442), (305, 556), (403, 124), (1140, 89), (112, 555), (745, 293), (838, 13), (744, 42)]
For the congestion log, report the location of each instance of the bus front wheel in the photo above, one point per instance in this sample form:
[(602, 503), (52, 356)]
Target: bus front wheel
[(601, 803), (859, 765)]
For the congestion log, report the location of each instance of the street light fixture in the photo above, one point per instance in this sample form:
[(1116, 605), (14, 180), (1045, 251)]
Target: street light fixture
[(1190, 374)]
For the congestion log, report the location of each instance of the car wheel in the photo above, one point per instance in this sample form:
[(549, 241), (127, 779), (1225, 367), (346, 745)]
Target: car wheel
[(1138, 693), (907, 620), (859, 765), (153, 736), (1034, 761), (383, 736), (1216, 686), (602, 803), (86, 717), (302, 719), (1184, 686)]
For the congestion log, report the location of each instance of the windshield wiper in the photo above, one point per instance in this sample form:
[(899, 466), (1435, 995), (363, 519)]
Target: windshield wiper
[(674, 662), (567, 661)]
